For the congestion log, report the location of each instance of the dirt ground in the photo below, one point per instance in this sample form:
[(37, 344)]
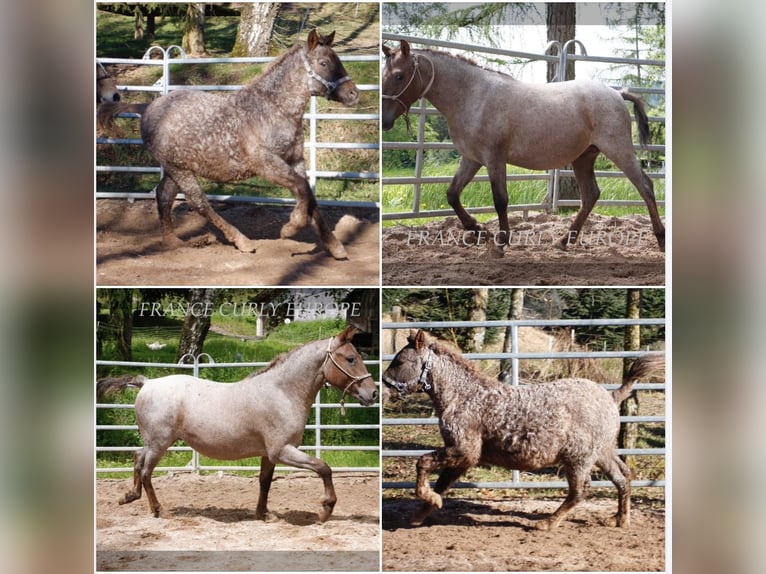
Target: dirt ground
[(129, 249), (610, 251), (489, 535), (208, 524)]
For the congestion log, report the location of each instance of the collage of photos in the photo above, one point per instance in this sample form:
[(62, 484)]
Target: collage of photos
[(381, 287)]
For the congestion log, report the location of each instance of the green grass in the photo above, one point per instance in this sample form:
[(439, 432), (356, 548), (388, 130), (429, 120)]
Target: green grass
[(398, 198)]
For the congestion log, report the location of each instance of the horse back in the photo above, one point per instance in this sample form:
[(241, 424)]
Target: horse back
[(536, 425)]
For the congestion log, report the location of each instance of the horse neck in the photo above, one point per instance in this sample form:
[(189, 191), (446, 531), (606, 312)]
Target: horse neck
[(447, 93), (299, 373), (285, 80), (453, 381)]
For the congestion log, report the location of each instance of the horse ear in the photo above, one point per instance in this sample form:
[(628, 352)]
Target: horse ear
[(329, 39), (313, 40), (348, 333), (420, 340), (413, 335), (387, 51), (404, 46)]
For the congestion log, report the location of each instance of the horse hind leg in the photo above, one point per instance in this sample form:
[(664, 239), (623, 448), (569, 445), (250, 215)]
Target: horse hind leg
[(187, 182), (619, 473), (138, 464), (589, 193), (578, 480)]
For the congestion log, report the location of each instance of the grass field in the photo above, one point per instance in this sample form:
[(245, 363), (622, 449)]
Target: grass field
[(433, 196)]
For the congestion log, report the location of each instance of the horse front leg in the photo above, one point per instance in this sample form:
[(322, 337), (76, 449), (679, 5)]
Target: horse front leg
[(293, 177), (465, 172), (290, 455), (264, 479), (454, 461), (497, 174)]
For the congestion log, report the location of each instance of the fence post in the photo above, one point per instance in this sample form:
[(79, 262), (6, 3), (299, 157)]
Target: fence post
[(419, 156), (194, 462)]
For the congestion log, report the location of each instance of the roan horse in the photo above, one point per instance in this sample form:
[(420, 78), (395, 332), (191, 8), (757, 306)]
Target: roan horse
[(257, 130), (495, 120), (570, 422), (263, 415)]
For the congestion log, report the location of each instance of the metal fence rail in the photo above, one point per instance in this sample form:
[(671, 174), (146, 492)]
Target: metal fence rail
[(195, 464), (515, 355), (313, 171), (551, 200)]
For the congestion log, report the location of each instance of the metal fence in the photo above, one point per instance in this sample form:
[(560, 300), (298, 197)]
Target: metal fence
[(205, 361), (515, 355), (313, 116), (551, 201)]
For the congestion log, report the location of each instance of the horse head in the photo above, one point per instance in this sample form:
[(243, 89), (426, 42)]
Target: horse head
[(327, 76), (402, 83), (409, 371), (106, 87), (344, 369)]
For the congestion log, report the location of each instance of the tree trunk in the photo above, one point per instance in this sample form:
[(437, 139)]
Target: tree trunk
[(121, 321), (197, 323), (256, 27), (514, 312), (193, 41), (560, 26), (478, 312), (629, 407)]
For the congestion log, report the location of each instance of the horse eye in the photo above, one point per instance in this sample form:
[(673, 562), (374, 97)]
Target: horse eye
[(398, 77), (323, 63), (351, 360)]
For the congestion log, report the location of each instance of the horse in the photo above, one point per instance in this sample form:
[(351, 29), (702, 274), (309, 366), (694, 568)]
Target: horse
[(262, 415), (495, 120), (257, 130), (106, 86), (570, 422)]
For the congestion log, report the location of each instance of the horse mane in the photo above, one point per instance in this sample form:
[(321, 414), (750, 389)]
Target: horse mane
[(442, 348), (276, 361), (270, 74), (461, 58)]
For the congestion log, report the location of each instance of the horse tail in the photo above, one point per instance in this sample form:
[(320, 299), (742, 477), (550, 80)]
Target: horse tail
[(641, 367), (110, 385), (108, 110), (642, 119)]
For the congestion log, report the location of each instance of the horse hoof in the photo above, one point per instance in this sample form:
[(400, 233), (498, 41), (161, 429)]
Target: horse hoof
[(246, 245), (495, 252), (544, 524), (338, 251)]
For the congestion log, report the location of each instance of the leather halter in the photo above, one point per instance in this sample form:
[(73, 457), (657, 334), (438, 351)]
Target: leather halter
[(312, 75), (353, 378), (415, 72)]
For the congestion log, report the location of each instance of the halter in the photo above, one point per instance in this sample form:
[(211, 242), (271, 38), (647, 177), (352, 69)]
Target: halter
[(415, 72), (353, 378), (422, 380), (312, 75)]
